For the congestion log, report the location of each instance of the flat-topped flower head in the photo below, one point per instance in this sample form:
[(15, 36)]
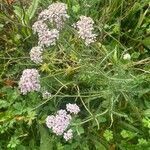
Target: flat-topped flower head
[(36, 54), (85, 28), (56, 14), (48, 38), (29, 81), (58, 123), (73, 108)]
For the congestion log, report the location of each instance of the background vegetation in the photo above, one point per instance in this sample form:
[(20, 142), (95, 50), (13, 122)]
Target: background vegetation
[(112, 93)]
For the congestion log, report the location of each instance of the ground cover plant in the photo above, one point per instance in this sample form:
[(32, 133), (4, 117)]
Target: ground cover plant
[(75, 75)]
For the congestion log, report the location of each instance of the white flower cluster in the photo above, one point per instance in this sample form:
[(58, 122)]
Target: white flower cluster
[(36, 54), (68, 135), (85, 28), (29, 81), (48, 38), (61, 121), (73, 108), (40, 27), (56, 14)]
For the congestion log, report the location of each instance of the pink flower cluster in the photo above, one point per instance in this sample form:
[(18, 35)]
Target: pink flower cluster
[(85, 28), (48, 38), (60, 122), (39, 27), (36, 54), (29, 81), (56, 14), (73, 108)]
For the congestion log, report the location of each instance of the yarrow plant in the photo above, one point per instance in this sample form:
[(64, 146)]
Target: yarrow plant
[(73, 108), (39, 27), (36, 54), (108, 78), (29, 81), (85, 28), (60, 122), (56, 14), (48, 38)]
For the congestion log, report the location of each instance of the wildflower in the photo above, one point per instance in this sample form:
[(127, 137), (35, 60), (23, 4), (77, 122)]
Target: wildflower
[(36, 54), (29, 81), (46, 95), (85, 28), (50, 121), (58, 123), (56, 14), (68, 135), (73, 108), (48, 38), (39, 27), (127, 56)]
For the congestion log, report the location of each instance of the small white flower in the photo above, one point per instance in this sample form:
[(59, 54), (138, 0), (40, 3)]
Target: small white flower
[(68, 135), (46, 95), (127, 56)]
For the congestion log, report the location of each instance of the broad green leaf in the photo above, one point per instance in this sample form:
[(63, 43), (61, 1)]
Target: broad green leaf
[(76, 8), (32, 9), (18, 11), (99, 146), (3, 104), (146, 42), (147, 113), (45, 143)]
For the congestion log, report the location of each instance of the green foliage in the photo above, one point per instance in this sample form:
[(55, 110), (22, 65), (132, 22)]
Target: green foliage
[(108, 135), (127, 134), (112, 93), (32, 9), (13, 142)]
